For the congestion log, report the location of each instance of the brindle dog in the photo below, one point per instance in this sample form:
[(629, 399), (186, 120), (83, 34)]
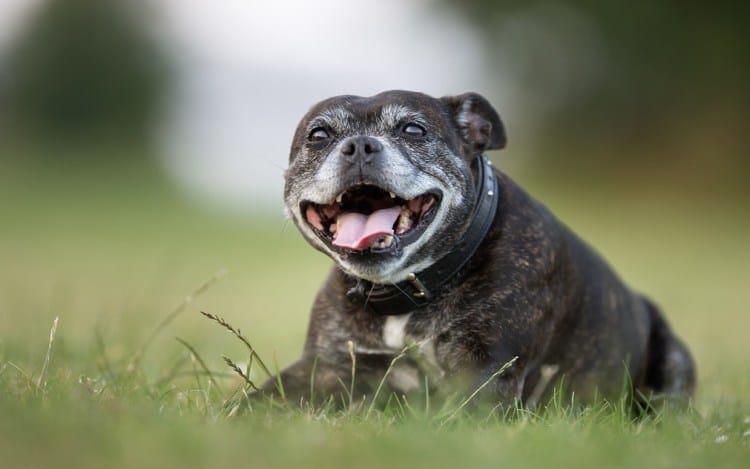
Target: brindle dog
[(436, 248)]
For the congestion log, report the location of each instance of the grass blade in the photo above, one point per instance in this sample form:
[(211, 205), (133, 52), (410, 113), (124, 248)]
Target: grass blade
[(202, 364), (40, 380), (477, 390), (353, 357), (398, 357), (135, 362), (239, 371)]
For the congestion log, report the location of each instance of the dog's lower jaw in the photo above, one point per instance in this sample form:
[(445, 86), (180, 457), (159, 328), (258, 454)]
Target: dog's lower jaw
[(393, 275)]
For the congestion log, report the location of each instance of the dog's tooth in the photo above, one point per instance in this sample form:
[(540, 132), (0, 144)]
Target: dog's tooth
[(404, 221), (340, 197), (393, 196), (387, 241)]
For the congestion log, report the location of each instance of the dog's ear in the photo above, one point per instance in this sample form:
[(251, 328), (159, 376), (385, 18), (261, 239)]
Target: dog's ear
[(478, 122)]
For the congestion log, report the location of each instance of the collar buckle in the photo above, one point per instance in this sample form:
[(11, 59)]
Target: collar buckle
[(422, 291)]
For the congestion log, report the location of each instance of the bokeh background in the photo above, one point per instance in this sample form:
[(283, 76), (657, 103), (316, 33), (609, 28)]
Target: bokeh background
[(143, 142)]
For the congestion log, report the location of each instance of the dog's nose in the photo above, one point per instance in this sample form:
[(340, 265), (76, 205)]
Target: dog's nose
[(361, 148)]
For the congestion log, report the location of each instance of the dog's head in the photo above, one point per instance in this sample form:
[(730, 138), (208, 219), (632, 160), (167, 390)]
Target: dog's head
[(383, 185)]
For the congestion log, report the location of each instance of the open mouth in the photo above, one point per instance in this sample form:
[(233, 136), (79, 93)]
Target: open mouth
[(368, 218)]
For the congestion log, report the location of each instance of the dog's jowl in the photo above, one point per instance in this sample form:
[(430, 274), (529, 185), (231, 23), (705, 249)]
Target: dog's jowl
[(438, 253)]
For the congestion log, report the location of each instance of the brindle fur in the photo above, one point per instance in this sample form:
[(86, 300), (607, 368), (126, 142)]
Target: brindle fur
[(533, 290)]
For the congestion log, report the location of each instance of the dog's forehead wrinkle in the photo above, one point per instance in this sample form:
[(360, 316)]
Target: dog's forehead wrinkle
[(393, 113), (337, 117)]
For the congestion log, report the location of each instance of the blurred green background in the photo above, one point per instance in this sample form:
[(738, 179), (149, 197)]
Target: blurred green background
[(630, 124)]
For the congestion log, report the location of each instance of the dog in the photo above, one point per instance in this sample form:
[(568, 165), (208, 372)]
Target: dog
[(446, 272)]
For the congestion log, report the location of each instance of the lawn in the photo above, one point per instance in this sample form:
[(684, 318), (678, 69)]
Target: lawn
[(120, 258)]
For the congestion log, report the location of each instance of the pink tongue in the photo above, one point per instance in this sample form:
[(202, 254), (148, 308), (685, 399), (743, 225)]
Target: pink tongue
[(358, 231)]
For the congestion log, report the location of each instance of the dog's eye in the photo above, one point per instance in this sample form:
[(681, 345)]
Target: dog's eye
[(318, 134), (414, 130)]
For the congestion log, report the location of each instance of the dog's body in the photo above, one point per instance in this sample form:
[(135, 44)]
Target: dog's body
[(389, 187)]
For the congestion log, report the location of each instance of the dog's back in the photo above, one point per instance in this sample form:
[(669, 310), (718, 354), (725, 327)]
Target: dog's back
[(603, 338)]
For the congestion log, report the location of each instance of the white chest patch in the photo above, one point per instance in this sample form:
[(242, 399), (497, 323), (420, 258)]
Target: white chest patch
[(394, 331)]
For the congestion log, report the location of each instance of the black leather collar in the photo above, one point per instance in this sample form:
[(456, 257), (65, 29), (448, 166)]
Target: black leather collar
[(420, 287)]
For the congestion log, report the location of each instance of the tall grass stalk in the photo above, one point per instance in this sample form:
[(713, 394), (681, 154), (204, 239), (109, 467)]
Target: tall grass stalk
[(237, 333), (40, 383)]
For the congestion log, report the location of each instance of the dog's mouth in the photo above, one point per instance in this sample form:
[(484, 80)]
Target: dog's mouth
[(367, 218)]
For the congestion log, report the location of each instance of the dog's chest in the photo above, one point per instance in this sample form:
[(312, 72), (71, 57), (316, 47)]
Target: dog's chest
[(394, 331), (419, 358)]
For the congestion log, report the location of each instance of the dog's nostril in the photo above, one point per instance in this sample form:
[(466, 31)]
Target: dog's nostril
[(349, 148), (362, 146), (372, 146)]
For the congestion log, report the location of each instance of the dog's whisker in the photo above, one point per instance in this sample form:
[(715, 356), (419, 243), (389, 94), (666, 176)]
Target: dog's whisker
[(284, 226), (369, 293), (405, 294)]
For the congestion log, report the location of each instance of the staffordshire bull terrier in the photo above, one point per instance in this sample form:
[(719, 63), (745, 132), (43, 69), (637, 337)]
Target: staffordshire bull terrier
[(438, 253)]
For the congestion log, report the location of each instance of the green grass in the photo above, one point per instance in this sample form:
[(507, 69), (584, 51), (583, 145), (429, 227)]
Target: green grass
[(113, 252)]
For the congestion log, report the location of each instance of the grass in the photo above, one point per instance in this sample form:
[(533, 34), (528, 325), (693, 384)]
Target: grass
[(105, 359)]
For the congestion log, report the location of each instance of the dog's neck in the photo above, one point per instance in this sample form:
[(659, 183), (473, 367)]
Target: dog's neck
[(421, 287)]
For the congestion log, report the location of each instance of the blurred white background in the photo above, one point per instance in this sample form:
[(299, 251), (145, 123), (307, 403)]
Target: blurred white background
[(249, 70)]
